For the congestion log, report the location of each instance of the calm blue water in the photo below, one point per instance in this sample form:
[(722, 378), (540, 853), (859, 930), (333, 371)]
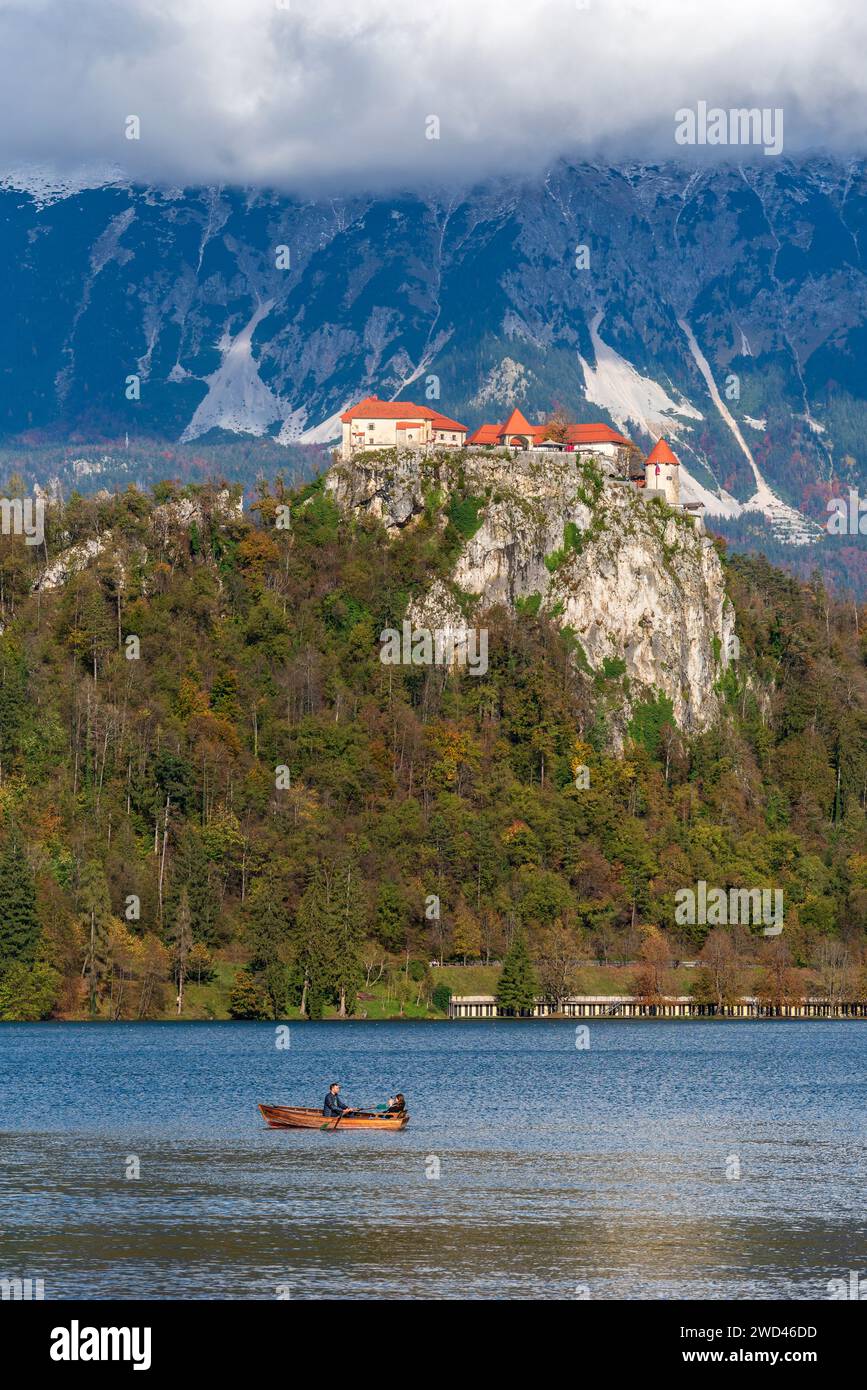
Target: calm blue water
[(559, 1168)]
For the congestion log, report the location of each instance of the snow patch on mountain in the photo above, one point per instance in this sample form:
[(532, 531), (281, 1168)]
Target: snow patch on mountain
[(719, 503), (755, 424), (328, 431), (46, 185), (238, 399), (628, 396), (788, 524), (292, 427)]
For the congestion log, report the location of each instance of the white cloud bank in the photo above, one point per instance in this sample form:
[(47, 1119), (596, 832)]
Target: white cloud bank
[(319, 93)]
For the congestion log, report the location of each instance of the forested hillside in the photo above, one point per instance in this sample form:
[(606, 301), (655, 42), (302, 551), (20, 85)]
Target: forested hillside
[(208, 779)]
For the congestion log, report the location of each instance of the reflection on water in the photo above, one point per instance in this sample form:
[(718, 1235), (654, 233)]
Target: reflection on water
[(560, 1168)]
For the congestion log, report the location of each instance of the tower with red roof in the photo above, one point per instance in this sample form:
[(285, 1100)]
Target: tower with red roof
[(517, 432), (662, 472)]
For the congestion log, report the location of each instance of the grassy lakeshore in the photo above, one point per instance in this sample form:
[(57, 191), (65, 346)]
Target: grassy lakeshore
[(210, 1001)]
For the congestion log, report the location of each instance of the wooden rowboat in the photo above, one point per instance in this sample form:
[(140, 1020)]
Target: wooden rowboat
[(305, 1117)]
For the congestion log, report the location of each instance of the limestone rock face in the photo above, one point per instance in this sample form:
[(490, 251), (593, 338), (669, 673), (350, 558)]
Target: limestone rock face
[(388, 485), (639, 587)]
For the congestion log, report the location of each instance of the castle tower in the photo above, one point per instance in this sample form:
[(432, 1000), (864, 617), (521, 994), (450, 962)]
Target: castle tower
[(517, 432), (662, 473)]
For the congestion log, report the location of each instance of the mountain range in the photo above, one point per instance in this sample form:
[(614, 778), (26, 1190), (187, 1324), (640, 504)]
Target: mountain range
[(724, 306)]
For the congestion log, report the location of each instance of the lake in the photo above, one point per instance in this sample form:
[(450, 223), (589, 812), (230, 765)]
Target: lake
[(608, 1171)]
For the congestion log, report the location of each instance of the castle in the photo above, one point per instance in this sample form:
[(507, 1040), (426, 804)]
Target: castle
[(376, 424)]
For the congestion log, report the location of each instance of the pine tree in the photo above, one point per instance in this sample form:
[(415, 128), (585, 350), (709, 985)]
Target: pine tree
[(390, 925), (13, 704), (267, 931), (314, 942), (19, 922), (517, 987), (268, 939), (194, 871)]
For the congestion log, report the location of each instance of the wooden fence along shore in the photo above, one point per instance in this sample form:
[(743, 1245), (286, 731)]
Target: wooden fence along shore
[(628, 1006)]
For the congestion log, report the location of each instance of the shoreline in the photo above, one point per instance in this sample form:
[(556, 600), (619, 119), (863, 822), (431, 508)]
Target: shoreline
[(571, 1019)]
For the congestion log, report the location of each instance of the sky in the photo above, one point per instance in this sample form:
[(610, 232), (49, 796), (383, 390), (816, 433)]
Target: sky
[(346, 94)]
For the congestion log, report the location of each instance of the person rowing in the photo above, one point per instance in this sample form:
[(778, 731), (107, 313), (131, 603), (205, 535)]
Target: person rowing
[(333, 1107)]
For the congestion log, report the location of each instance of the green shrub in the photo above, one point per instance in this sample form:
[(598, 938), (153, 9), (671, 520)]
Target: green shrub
[(529, 606), (648, 720), (463, 513), (441, 998)]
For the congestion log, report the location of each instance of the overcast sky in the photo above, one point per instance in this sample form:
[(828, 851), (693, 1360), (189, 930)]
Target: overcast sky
[(336, 93)]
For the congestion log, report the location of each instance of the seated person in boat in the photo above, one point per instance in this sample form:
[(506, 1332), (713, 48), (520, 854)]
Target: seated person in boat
[(333, 1105), (396, 1104)]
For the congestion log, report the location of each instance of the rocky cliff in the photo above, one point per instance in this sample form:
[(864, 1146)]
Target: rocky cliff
[(638, 588)]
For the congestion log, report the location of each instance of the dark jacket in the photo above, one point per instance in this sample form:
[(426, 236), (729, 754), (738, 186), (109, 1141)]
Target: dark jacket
[(333, 1105)]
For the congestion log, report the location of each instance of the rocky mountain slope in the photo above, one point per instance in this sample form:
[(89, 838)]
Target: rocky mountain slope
[(725, 306)]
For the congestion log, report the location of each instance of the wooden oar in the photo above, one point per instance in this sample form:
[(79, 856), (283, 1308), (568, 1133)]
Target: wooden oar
[(332, 1124)]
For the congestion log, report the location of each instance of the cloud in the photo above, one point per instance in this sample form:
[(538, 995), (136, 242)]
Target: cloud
[(339, 93)]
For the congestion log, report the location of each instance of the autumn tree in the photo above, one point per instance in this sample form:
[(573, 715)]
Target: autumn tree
[(557, 959), (154, 968), (721, 978), (245, 1000), (96, 917), (466, 933), (182, 942), (557, 425), (836, 972), (778, 982), (201, 962), (28, 992), (653, 980)]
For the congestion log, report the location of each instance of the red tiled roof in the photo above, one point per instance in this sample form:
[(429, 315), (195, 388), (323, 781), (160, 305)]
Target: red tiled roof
[(661, 453), (485, 434), (408, 425), (595, 434), (442, 422), (373, 408), (517, 424)]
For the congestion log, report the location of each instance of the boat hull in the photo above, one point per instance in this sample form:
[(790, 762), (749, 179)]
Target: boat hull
[(304, 1117)]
